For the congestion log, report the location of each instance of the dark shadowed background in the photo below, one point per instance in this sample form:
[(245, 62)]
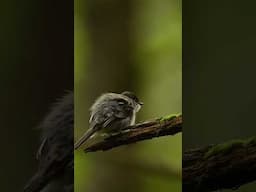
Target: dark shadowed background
[(36, 68), (219, 95)]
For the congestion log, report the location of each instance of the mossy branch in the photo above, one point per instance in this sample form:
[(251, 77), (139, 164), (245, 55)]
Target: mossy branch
[(168, 125), (214, 167), (223, 166)]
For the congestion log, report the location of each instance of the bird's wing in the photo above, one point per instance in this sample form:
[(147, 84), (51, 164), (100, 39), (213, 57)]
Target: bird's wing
[(114, 109), (106, 114)]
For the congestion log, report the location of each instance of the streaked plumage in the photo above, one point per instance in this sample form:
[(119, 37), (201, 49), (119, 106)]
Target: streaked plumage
[(111, 111)]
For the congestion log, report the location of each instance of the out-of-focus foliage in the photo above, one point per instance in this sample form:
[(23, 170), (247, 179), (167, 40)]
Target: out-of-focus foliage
[(158, 57), (156, 28)]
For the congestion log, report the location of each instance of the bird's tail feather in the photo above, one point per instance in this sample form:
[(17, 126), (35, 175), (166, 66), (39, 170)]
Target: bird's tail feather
[(85, 137)]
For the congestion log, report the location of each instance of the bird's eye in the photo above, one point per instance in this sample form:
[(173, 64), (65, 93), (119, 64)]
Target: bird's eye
[(121, 102)]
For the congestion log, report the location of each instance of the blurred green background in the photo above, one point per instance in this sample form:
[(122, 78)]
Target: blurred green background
[(136, 46)]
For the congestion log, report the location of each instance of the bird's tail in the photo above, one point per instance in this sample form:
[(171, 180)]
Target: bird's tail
[(36, 183), (85, 137)]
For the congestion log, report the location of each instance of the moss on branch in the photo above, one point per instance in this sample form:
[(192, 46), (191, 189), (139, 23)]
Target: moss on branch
[(167, 125)]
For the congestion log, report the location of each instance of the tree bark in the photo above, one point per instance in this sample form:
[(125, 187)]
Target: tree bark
[(170, 125), (223, 166)]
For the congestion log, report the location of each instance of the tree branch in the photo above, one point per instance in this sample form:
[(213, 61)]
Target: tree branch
[(222, 166), (169, 125)]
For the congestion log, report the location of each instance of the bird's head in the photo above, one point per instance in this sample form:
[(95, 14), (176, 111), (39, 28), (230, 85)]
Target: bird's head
[(134, 98)]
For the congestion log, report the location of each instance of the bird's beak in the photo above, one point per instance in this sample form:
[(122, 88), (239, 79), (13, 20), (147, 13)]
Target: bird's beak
[(141, 103)]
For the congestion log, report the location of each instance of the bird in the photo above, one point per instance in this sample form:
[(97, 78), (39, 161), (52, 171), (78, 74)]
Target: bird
[(111, 112), (55, 171)]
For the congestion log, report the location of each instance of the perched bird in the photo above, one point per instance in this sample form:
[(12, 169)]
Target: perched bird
[(55, 155), (111, 112)]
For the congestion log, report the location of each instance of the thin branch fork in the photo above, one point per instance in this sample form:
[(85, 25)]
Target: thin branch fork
[(223, 166), (169, 125)]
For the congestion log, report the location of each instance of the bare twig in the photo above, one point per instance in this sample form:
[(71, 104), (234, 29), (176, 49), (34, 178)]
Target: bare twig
[(169, 125)]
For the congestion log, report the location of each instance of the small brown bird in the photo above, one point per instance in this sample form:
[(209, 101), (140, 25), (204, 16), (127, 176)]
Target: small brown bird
[(110, 112)]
